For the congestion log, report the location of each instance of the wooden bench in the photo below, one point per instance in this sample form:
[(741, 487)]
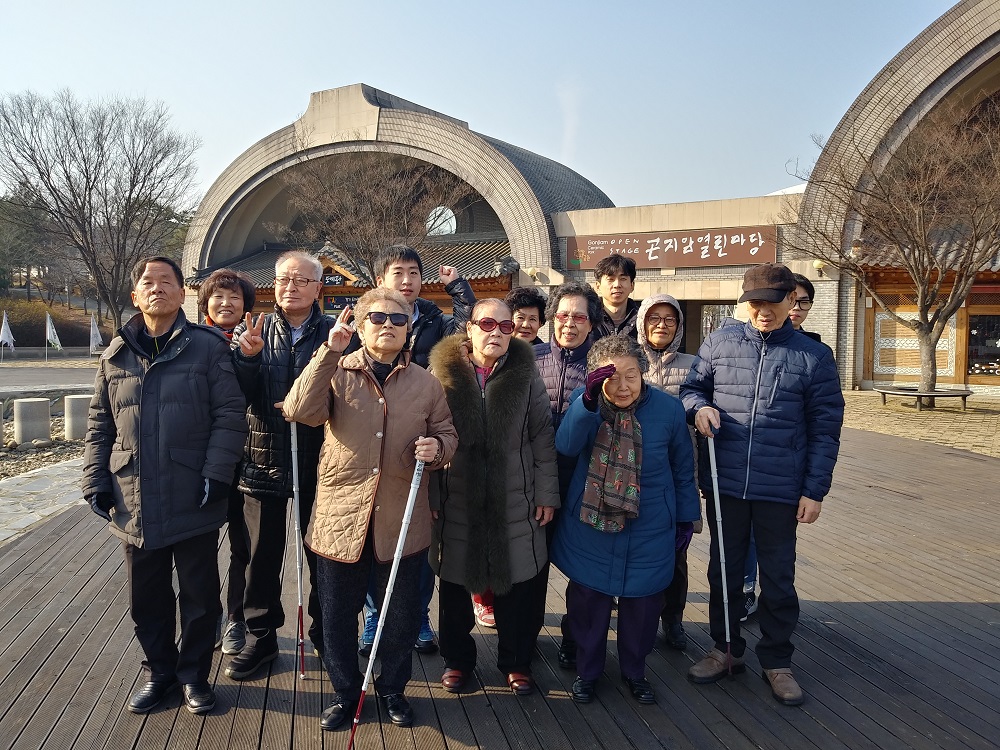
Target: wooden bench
[(920, 395)]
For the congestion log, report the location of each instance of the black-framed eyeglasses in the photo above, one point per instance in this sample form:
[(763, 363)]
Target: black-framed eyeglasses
[(378, 318), (295, 280), (655, 320), (803, 304), (489, 324)]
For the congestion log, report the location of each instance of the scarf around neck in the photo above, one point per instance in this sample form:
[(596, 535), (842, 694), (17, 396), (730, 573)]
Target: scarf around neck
[(611, 492)]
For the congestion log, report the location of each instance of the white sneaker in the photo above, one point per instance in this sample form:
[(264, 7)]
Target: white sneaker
[(484, 615), (234, 638), (750, 603)]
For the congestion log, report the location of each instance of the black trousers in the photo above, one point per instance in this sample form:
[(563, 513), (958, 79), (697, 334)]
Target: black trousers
[(151, 603), (774, 528), (342, 590), (239, 555), (519, 617), (266, 525), (675, 595)]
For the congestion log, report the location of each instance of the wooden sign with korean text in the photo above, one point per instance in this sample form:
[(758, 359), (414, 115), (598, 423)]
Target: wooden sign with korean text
[(731, 246)]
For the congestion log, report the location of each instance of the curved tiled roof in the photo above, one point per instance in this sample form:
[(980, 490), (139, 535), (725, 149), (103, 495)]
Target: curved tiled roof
[(933, 65), (521, 187), (474, 258)]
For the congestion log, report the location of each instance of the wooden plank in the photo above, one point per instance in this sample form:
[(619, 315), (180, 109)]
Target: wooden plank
[(45, 649)]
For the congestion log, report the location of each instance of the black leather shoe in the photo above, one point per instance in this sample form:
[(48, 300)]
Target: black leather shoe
[(583, 690), (150, 695), (263, 650), (199, 697), (675, 636), (337, 713), (398, 709), (567, 654), (641, 690)]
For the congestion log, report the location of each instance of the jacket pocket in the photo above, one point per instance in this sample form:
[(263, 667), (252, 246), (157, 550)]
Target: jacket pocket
[(186, 480), (776, 386), (119, 460)]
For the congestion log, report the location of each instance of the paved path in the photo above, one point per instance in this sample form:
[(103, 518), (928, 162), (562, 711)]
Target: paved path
[(30, 498), (37, 373)]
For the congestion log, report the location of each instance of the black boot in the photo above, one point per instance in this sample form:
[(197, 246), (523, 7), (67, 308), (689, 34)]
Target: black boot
[(262, 649)]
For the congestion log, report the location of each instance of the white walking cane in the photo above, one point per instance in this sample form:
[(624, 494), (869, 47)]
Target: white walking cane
[(418, 473), (300, 633), (722, 549)]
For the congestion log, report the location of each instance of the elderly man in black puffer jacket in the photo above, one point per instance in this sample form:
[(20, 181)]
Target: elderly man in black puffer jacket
[(269, 355), (773, 397), (164, 435)]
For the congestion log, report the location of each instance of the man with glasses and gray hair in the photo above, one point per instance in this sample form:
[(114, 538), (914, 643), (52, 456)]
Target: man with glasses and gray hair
[(270, 352)]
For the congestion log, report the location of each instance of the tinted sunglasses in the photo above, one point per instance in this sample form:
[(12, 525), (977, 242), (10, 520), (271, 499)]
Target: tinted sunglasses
[(378, 318), (488, 324), (565, 317)]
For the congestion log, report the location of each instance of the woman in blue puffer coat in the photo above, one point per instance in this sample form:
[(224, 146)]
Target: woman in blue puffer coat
[(631, 502)]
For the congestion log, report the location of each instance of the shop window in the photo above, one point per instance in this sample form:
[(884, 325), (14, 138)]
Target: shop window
[(984, 345)]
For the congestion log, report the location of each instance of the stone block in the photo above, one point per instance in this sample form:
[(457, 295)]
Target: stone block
[(32, 420), (76, 416)]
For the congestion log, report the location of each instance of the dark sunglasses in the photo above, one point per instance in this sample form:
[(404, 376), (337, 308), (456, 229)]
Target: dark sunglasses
[(488, 324), (378, 318)]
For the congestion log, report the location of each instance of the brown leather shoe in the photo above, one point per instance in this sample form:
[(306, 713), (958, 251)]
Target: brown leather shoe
[(453, 680), (714, 667), (784, 688), (520, 684)]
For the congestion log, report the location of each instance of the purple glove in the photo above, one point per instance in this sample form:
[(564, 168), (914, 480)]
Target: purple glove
[(685, 529), (595, 381)]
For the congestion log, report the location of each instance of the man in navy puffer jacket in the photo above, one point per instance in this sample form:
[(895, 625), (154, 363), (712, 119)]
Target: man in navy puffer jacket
[(773, 399)]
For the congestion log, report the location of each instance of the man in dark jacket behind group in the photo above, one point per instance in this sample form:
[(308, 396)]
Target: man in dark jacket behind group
[(269, 356), (773, 397), (166, 429)]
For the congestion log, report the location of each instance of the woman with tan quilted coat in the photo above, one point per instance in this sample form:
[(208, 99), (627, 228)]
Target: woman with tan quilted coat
[(381, 415)]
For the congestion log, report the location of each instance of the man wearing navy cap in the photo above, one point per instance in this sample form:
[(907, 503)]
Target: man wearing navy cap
[(773, 400)]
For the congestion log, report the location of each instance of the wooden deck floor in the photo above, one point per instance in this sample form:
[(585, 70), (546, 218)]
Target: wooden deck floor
[(896, 648)]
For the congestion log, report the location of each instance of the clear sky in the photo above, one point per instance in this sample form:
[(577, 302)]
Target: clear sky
[(658, 101)]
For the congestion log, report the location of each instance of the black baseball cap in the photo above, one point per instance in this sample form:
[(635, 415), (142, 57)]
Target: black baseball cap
[(770, 282)]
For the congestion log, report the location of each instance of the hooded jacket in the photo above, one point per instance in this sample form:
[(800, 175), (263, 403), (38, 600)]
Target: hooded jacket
[(157, 429), (669, 367), (367, 462), (779, 399), (486, 535)]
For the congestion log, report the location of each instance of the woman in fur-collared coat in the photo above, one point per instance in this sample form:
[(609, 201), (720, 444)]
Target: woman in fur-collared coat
[(491, 503)]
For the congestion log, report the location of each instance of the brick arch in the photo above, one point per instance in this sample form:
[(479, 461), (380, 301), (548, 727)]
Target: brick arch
[(947, 54), (522, 191)]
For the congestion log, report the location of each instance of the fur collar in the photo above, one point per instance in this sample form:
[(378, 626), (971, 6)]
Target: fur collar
[(483, 426)]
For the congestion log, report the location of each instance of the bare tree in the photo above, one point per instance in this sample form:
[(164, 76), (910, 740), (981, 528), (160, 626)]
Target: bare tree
[(930, 206), (361, 202), (108, 177)]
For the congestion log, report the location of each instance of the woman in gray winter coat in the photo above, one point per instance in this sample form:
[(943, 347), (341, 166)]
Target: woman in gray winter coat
[(493, 500), (660, 325)]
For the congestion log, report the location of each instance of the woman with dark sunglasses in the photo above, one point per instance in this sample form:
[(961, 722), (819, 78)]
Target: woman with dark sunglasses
[(491, 504), (382, 414)]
